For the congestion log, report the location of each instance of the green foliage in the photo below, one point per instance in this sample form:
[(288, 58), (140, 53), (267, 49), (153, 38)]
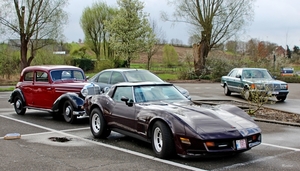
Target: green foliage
[(128, 30), (170, 56), (9, 61), (103, 64), (84, 63)]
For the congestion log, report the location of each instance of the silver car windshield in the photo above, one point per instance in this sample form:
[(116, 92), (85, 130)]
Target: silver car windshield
[(157, 93), (141, 75)]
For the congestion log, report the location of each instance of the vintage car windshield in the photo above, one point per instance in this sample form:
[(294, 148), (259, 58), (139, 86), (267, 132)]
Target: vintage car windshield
[(157, 93), (259, 74), (141, 75), (67, 74)]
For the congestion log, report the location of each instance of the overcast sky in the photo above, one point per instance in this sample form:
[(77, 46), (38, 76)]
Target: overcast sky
[(276, 21)]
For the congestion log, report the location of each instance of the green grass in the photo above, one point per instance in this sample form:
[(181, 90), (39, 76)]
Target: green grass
[(167, 77), (6, 89)]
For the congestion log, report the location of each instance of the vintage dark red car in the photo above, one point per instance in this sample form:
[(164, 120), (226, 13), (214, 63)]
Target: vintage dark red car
[(159, 114), (59, 89)]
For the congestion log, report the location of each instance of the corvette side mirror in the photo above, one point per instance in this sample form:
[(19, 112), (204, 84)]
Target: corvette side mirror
[(127, 101)]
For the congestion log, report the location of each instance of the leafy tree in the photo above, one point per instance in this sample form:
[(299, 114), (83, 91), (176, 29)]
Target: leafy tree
[(170, 56), (92, 24), (36, 23), (128, 30), (215, 21)]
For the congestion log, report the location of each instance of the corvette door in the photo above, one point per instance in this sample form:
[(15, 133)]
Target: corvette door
[(123, 115)]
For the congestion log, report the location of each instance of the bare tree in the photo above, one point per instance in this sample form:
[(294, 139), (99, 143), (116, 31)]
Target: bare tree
[(153, 41), (37, 23), (215, 21)]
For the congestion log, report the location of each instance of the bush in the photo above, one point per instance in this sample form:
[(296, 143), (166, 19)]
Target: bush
[(103, 64), (84, 63)]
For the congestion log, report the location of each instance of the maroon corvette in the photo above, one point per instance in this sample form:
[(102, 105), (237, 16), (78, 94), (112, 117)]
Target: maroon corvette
[(159, 114)]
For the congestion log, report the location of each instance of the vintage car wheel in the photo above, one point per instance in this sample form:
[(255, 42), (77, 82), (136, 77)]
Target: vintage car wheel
[(162, 140), (68, 112), (227, 92), (19, 105), (281, 98), (98, 124)]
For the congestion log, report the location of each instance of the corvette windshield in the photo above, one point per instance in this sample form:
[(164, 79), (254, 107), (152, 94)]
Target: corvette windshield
[(157, 93)]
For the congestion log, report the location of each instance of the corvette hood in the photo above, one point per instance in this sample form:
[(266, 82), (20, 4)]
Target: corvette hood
[(205, 120)]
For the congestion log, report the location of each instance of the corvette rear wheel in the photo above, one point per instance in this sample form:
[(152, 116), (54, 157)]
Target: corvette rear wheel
[(162, 140), (227, 92), (68, 112), (19, 105), (98, 124)]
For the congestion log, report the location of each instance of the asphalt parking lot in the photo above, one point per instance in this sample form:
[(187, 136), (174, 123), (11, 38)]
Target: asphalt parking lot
[(35, 151)]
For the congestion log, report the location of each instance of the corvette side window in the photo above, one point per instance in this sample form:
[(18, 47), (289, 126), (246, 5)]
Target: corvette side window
[(123, 92)]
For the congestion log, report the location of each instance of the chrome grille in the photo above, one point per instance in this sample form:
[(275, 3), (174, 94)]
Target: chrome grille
[(93, 90), (273, 87)]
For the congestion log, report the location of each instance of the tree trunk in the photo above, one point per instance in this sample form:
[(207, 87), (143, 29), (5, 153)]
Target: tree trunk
[(23, 50), (200, 54)]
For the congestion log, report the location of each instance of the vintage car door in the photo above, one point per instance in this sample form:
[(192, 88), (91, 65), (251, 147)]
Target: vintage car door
[(123, 116), (27, 87), (43, 97)]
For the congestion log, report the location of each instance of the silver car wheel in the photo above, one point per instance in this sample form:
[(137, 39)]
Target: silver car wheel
[(96, 123), (158, 139)]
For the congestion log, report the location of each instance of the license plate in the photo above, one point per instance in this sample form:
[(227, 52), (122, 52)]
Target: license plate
[(275, 92), (241, 144)]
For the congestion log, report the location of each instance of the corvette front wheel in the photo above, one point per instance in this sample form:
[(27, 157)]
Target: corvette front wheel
[(162, 140), (98, 124)]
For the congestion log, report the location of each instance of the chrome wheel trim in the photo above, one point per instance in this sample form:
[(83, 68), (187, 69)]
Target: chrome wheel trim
[(157, 139), (18, 104), (68, 111), (96, 123)]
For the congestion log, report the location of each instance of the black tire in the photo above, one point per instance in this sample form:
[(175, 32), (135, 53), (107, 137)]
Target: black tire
[(162, 140), (98, 125), (281, 98), (19, 105), (227, 92), (68, 112)]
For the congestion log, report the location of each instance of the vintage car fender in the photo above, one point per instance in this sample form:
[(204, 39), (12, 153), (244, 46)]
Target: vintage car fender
[(16, 92), (74, 98)]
